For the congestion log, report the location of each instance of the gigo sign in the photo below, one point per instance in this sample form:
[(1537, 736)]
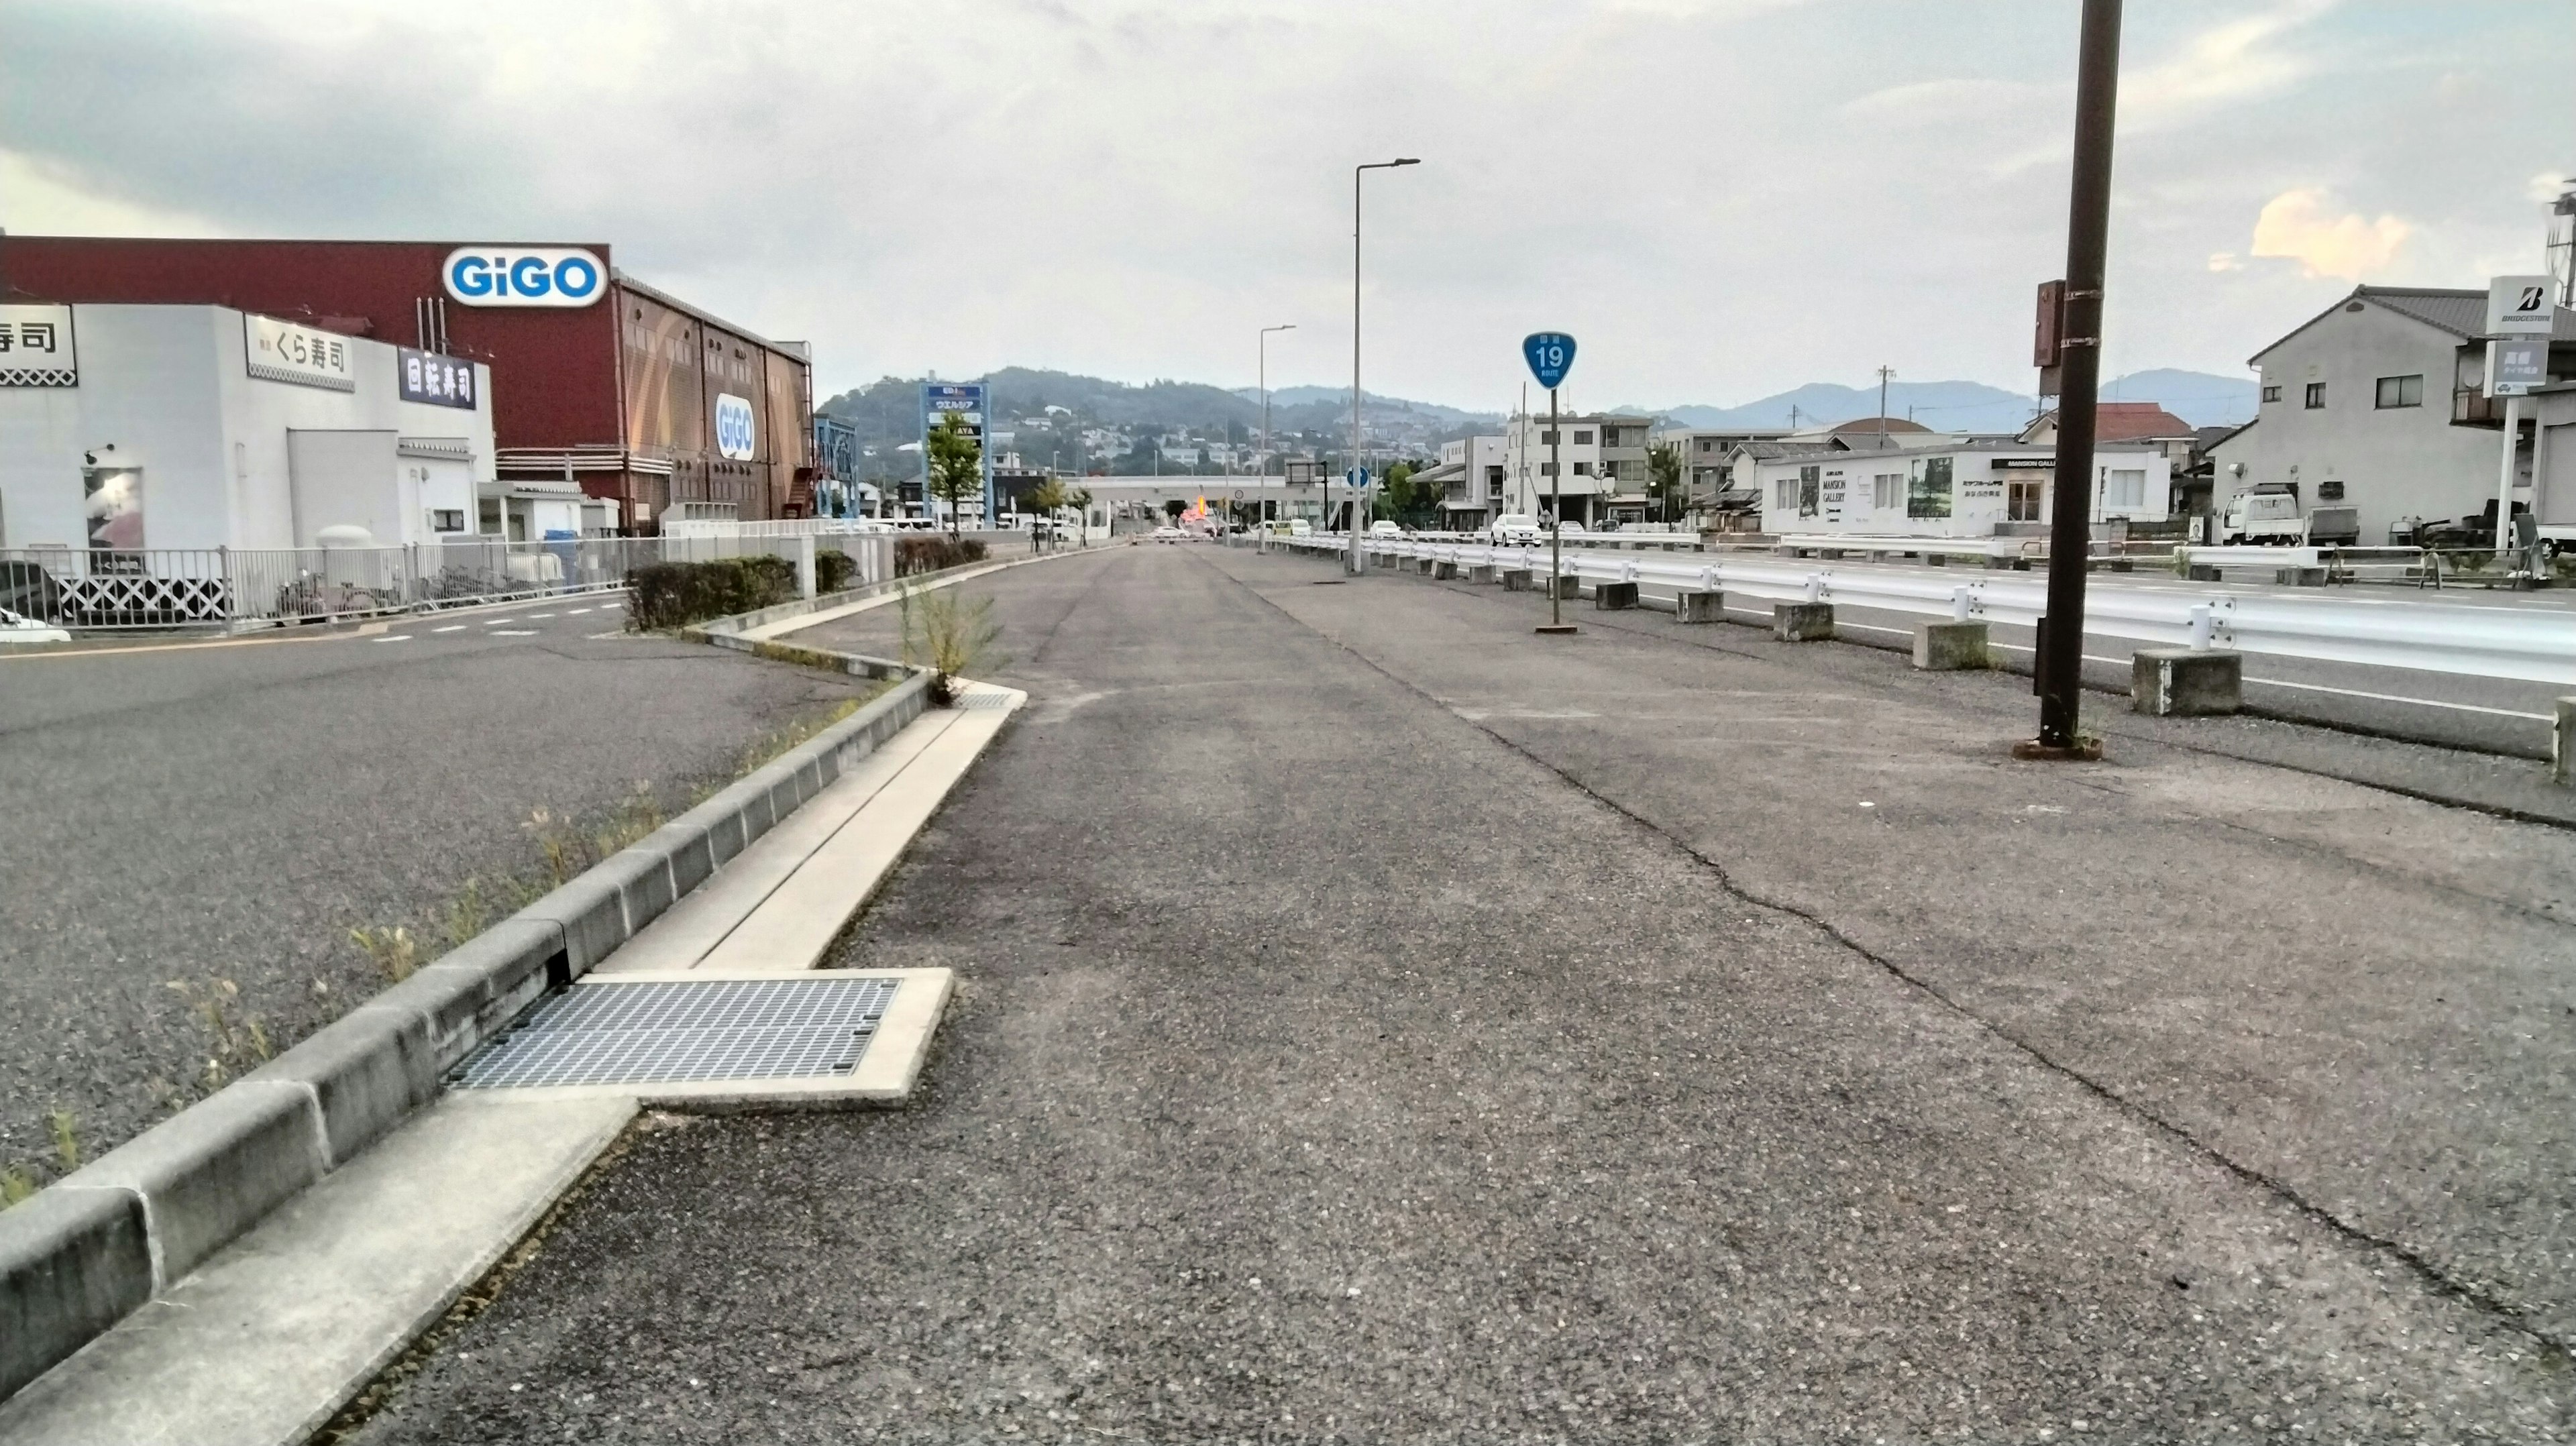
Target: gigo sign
[(734, 437), (523, 276)]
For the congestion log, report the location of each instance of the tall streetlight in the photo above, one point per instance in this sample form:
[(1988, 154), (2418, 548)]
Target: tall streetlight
[(1357, 492), (2060, 659), (1264, 344)]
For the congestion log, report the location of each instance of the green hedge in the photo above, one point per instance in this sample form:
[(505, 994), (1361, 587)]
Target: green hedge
[(832, 570), (675, 594), (933, 552)]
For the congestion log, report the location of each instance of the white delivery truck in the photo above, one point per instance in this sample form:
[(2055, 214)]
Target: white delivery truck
[(2268, 516)]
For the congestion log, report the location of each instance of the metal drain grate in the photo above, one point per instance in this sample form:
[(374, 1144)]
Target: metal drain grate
[(677, 1031)]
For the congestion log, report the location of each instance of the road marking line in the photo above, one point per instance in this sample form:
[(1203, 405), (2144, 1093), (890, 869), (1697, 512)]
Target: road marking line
[(450, 628), (2394, 698), (576, 612), (533, 617), (610, 607), (512, 633), (496, 622), (395, 638)]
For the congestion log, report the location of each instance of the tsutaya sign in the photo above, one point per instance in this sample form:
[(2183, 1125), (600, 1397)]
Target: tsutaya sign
[(523, 276)]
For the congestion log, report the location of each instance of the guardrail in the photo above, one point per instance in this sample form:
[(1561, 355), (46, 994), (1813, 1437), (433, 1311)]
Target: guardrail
[(2528, 645)]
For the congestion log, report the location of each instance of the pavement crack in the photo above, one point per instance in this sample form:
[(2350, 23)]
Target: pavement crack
[(2431, 1274)]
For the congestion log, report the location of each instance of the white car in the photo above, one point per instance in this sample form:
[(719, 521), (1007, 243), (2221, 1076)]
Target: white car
[(1513, 529), (1300, 527), (1384, 528), (1170, 534)]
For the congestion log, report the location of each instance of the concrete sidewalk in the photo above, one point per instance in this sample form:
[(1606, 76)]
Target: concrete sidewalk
[(1388, 1042)]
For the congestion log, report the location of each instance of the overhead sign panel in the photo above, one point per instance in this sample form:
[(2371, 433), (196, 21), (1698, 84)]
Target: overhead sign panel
[(2520, 306), (1550, 355), (524, 276)]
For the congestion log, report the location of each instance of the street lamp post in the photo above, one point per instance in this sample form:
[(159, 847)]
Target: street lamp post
[(1357, 492), (1264, 345)]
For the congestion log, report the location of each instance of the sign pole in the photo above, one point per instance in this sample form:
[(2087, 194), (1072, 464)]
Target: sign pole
[(2504, 478), (2060, 661), (1556, 504)]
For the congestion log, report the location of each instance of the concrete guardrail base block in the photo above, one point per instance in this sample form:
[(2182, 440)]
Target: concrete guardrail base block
[(2183, 683), (209, 1173), (1936, 559), (2562, 744), (1482, 574), (1802, 622), (1950, 647), (1567, 586), (1444, 572), (1996, 562), (1613, 596), (2200, 572), (2299, 576), (1701, 607), (1518, 579), (1423, 565)]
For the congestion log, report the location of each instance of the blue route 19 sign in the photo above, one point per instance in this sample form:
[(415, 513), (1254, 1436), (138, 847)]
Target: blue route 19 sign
[(1550, 354)]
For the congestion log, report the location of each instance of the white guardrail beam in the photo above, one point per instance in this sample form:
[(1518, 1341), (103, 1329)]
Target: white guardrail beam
[(2535, 645)]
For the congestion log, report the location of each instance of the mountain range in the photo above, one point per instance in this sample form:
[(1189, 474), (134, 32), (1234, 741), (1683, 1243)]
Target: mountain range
[(887, 413)]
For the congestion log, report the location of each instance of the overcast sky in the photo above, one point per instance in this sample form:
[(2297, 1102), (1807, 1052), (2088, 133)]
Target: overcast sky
[(1720, 198)]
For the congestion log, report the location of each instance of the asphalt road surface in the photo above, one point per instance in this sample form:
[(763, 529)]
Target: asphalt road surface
[(1379, 1024), (228, 812)]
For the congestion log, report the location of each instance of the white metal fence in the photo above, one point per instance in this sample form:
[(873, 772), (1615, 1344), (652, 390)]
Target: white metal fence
[(184, 587), (2536, 645)]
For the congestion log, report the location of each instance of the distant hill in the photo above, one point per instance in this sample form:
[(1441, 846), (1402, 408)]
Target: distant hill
[(2199, 398)]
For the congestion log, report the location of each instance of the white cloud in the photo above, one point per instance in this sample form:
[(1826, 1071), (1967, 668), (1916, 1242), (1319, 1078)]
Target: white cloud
[(2295, 225), (42, 199), (2235, 61)]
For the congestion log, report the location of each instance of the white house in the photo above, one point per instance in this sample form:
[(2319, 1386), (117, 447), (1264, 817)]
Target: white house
[(1947, 488), (1474, 473), (144, 428), (1604, 456), (2378, 404)]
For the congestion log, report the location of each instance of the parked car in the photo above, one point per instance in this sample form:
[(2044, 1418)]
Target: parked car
[(1300, 527), (1384, 528), (1170, 534), (1513, 529)]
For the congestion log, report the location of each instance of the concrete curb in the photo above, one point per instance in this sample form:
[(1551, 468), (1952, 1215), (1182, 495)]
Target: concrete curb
[(105, 1239)]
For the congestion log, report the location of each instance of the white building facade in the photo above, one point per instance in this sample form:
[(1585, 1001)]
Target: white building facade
[(2378, 404), (1950, 489), (1604, 456), (201, 427)]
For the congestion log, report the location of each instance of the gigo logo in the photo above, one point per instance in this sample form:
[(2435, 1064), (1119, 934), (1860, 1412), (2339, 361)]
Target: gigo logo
[(734, 436), (523, 276)]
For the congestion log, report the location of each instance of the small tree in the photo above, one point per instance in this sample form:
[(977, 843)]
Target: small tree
[(1045, 499), (1664, 479), (955, 459), (1079, 499)]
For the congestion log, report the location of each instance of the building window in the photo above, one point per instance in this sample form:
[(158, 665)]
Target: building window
[(1583, 439), (1886, 490), (1928, 495), (2124, 487), (2316, 396), (2330, 490), (1784, 493), (2401, 391), (1547, 439), (1582, 469), (2272, 392), (1545, 469), (447, 519)]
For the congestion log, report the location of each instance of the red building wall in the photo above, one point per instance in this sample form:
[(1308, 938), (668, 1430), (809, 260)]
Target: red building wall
[(554, 370)]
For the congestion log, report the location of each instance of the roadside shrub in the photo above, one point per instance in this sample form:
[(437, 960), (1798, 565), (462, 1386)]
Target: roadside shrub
[(933, 552), (832, 570), (675, 594)]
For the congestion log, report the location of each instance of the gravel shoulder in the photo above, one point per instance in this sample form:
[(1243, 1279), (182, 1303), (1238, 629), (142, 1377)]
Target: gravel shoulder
[(1343, 1054)]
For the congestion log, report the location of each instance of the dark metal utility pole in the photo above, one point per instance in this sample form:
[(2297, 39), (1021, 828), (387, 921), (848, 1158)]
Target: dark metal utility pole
[(2060, 660)]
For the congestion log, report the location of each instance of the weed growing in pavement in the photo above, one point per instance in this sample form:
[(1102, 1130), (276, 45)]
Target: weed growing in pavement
[(632, 820), (66, 1133), (951, 636), (17, 1182), (769, 745), (467, 913), (557, 842), (390, 948)]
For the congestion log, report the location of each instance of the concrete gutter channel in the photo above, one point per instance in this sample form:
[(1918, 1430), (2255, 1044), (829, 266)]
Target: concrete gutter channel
[(110, 1237)]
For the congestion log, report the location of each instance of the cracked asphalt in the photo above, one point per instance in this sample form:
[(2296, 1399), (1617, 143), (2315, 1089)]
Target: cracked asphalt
[(1376, 1023)]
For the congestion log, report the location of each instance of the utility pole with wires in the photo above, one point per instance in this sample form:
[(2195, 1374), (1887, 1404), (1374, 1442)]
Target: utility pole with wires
[(1883, 374)]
